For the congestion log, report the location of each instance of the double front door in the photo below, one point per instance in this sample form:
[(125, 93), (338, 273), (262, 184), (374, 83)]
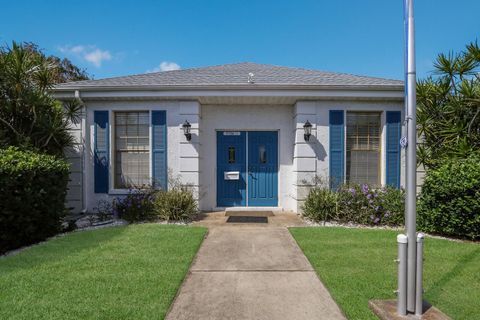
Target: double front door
[(247, 168)]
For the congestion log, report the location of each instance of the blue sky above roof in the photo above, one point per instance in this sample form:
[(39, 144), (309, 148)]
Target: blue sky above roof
[(130, 37)]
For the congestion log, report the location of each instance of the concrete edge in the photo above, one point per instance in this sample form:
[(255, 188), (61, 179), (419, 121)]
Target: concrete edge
[(187, 275), (315, 272), (387, 310)]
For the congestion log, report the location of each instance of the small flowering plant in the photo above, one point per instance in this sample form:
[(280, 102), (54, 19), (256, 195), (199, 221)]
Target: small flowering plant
[(104, 210), (355, 203), (364, 204), (136, 205)]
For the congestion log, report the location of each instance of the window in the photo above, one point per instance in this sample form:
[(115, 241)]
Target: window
[(363, 147), (262, 152), (231, 154), (132, 155)]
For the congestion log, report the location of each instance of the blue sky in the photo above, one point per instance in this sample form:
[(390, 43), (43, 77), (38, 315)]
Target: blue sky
[(113, 38)]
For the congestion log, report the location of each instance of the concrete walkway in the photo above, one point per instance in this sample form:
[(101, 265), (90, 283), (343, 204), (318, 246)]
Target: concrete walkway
[(252, 272)]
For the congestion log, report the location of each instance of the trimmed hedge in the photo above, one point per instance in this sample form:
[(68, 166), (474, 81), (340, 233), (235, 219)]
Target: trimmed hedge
[(449, 203), (32, 191)]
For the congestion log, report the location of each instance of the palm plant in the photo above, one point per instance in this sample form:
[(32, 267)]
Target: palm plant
[(448, 113), (29, 116)]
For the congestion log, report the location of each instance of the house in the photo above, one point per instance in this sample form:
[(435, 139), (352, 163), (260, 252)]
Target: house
[(257, 134)]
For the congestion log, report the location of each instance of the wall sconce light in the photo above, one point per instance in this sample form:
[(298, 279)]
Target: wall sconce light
[(307, 128), (186, 130)]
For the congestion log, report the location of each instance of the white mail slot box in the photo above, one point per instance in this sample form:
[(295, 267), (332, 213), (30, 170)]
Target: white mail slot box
[(231, 175)]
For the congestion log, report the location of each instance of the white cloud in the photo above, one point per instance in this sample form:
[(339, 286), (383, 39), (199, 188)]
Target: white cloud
[(91, 54), (165, 66), (97, 56), (77, 49)]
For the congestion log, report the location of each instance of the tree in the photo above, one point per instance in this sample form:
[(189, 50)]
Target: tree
[(448, 103), (29, 116), (65, 70)]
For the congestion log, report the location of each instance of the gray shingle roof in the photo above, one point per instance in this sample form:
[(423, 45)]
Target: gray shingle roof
[(234, 75)]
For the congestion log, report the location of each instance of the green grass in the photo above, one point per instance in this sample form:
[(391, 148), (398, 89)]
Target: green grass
[(130, 272), (357, 265)]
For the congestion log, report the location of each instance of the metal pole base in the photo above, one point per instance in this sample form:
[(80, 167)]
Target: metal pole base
[(419, 279), (402, 275)]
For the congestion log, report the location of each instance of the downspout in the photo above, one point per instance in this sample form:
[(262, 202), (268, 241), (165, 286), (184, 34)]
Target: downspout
[(84, 149)]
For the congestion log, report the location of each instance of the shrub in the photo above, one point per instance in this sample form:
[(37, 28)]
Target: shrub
[(33, 188), (353, 204), (148, 204), (175, 204), (393, 204), (137, 205), (449, 203), (320, 204), (356, 204)]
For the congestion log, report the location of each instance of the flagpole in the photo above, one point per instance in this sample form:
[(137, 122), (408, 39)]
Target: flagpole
[(411, 158)]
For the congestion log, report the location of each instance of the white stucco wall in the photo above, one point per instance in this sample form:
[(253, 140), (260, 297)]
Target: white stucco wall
[(312, 158), (195, 161), (177, 113), (75, 195), (246, 117)]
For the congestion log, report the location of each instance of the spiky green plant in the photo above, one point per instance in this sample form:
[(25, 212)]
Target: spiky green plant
[(29, 116), (449, 108)]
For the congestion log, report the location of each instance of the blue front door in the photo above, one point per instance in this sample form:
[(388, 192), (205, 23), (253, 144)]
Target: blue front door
[(231, 169), (262, 168), (242, 181)]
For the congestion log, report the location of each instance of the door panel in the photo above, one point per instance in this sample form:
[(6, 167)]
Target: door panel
[(231, 158), (262, 168)]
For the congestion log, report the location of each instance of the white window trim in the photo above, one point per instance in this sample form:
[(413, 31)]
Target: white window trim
[(382, 176), (383, 143), (111, 165)]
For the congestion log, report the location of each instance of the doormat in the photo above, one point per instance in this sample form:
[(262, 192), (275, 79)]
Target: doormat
[(249, 213), (247, 219)]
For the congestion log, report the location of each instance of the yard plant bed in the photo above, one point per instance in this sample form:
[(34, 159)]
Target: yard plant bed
[(357, 265), (127, 272)]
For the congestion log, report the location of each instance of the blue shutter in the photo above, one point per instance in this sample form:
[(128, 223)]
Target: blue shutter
[(159, 149), (394, 130), (101, 139), (337, 147)]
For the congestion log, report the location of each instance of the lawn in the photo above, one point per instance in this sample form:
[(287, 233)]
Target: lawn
[(130, 272), (357, 265)]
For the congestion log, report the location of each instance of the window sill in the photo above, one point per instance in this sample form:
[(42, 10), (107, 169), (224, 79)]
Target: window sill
[(119, 192)]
